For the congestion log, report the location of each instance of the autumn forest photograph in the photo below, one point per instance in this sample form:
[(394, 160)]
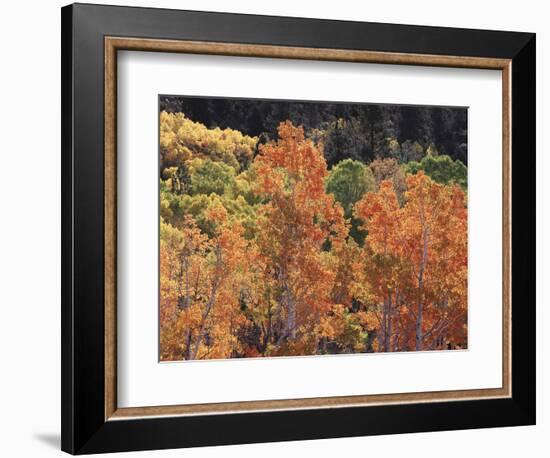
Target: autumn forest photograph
[(308, 228)]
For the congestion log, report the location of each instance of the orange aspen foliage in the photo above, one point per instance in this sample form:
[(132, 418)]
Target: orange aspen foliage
[(297, 220), (415, 265), (200, 280), (298, 281)]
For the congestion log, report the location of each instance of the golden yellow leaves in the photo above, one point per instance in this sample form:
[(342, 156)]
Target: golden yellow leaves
[(182, 139)]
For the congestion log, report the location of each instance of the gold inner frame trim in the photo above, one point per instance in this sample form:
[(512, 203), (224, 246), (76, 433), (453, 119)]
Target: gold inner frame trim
[(114, 44)]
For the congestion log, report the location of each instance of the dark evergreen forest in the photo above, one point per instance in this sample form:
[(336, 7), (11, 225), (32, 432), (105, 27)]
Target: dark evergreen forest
[(348, 130)]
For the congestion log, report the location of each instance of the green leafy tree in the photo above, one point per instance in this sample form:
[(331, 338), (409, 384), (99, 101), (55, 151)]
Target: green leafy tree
[(441, 169), (348, 181), (209, 177)]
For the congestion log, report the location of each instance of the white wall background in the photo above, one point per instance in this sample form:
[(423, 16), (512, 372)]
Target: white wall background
[(30, 227)]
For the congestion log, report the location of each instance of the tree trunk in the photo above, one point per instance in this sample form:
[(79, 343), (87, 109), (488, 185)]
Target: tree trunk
[(291, 314), (389, 324), (419, 336), (211, 301)]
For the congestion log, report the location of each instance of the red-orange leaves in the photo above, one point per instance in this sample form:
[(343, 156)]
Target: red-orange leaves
[(380, 211), (299, 218), (419, 252)]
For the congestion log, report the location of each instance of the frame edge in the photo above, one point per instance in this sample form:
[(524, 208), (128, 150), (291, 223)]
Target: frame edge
[(119, 436), (67, 337)]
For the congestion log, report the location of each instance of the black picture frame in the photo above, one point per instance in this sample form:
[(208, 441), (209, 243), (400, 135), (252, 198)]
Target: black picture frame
[(84, 428)]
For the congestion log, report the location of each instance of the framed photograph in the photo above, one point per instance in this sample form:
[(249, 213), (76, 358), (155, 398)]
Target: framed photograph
[(282, 228)]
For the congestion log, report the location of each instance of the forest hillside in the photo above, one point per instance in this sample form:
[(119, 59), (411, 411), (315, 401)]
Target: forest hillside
[(307, 229)]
